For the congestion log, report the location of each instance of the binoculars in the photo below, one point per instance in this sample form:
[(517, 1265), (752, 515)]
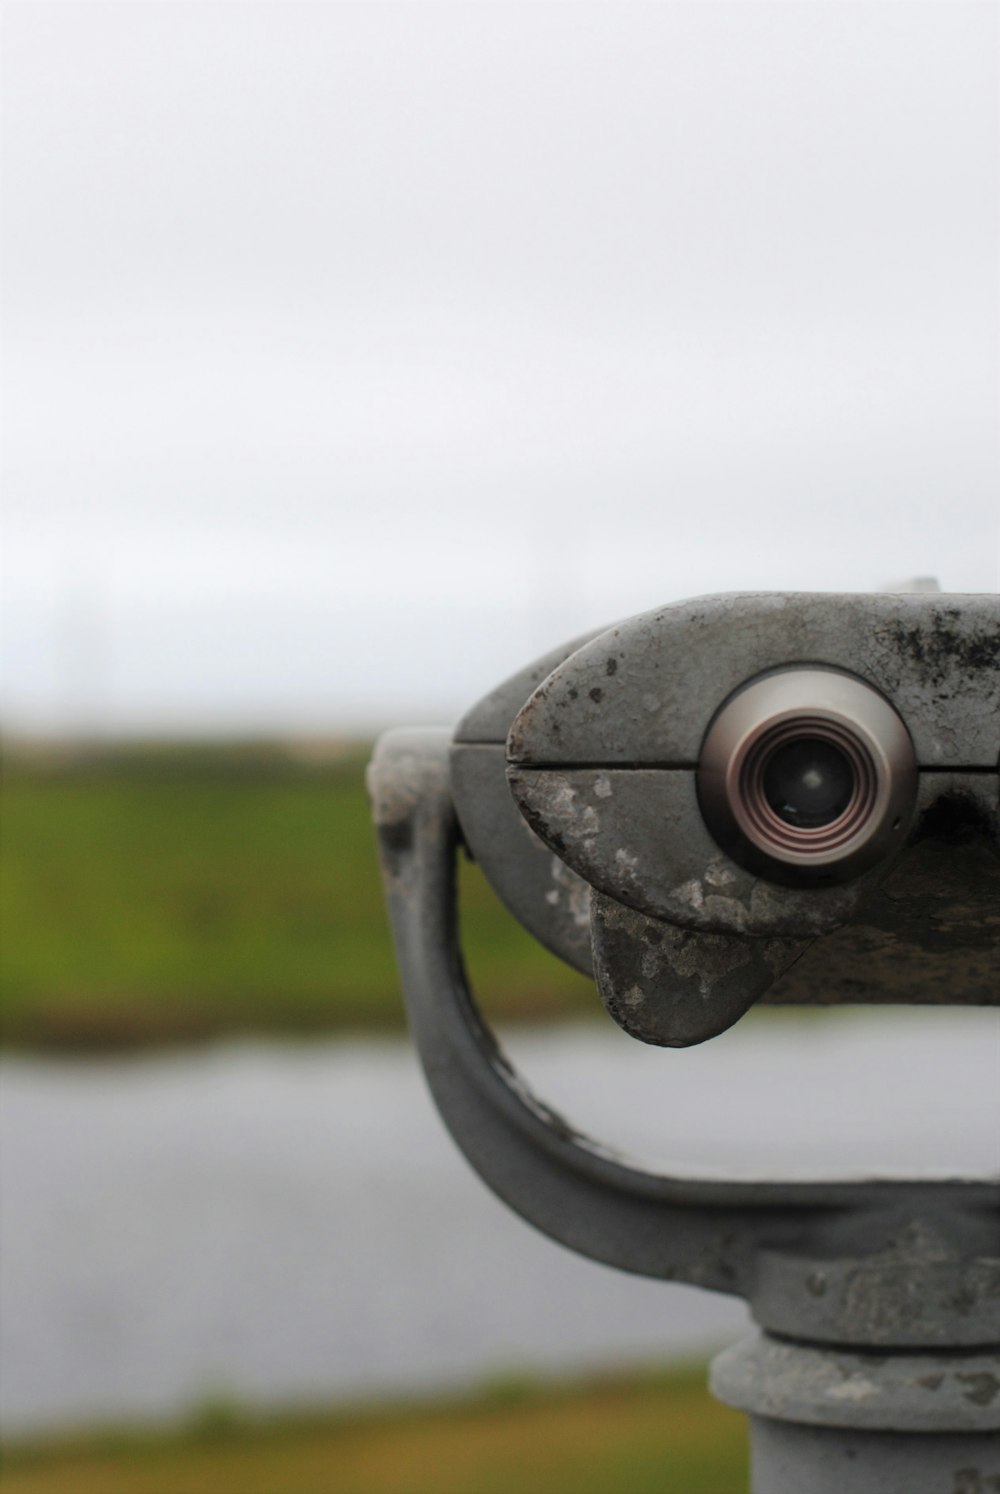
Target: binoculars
[(740, 799), (778, 798)]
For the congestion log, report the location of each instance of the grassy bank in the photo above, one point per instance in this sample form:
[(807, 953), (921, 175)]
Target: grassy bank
[(167, 893), (644, 1434)]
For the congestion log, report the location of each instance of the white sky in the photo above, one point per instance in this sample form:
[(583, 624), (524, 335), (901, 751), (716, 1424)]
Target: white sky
[(357, 353)]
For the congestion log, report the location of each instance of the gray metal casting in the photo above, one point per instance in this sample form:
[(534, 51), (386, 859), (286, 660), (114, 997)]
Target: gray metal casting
[(878, 1300)]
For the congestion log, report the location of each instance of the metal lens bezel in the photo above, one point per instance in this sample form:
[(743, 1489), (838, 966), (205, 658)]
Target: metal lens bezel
[(797, 704)]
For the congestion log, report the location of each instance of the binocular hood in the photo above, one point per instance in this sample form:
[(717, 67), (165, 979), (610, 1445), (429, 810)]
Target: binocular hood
[(691, 799)]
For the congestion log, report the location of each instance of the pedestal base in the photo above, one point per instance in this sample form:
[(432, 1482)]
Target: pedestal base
[(825, 1421), (790, 1459)]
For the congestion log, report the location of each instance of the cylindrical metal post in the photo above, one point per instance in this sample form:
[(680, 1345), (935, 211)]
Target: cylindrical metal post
[(791, 1459), (828, 1421)]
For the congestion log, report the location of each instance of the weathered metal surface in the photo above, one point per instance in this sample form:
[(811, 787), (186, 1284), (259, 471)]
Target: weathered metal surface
[(637, 834), (672, 987), (933, 1283), (788, 1458), (602, 762), (930, 934), (541, 891), (829, 1421), (644, 693), (869, 1391), (639, 837)]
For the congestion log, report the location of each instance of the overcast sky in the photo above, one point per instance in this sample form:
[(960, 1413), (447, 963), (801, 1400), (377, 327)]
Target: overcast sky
[(357, 353)]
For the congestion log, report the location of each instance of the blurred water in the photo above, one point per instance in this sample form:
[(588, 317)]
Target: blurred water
[(281, 1224)]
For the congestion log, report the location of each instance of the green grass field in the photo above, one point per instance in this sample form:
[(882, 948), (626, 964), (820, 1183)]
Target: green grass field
[(643, 1435), (160, 894)]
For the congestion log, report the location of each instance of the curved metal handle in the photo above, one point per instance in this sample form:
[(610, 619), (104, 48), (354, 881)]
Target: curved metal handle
[(705, 1232)]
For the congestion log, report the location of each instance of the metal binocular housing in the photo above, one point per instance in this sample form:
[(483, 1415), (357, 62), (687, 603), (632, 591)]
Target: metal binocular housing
[(774, 798)]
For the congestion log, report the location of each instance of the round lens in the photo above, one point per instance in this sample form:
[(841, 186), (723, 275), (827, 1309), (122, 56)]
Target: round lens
[(808, 783)]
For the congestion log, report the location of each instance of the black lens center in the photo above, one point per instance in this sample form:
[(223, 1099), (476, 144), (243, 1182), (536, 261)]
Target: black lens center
[(808, 783)]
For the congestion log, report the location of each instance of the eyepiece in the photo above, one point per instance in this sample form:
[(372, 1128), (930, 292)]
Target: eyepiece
[(808, 782), (807, 774)]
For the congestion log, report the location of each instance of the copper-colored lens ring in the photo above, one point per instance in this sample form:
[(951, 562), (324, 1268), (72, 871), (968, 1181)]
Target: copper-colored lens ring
[(766, 828), (798, 703)]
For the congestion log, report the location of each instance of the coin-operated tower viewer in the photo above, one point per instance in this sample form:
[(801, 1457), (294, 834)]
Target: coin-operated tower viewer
[(741, 799)]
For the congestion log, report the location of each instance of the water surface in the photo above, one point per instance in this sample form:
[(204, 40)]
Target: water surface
[(283, 1224)]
